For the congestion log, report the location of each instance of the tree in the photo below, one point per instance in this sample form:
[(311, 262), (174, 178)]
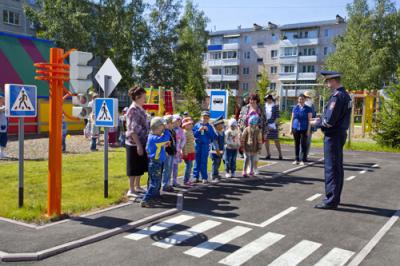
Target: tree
[(192, 41), (388, 134), (365, 54), (157, 66), (107, 28), (262, 84)]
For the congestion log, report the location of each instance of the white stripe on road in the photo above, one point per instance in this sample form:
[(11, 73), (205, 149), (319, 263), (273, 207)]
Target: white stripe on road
[(181, 236), (335, 257), (350, 177), (316, 196), (242, 255), (296, 254), (278, 216), (363, 171), (217, 241), (375, 240), (159, 227), (375, 165)]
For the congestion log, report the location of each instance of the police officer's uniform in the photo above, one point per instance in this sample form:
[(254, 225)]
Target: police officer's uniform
[(334, 123)]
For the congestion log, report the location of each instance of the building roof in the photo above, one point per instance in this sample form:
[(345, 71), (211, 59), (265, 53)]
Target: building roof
[(308, 24), (281, 27)]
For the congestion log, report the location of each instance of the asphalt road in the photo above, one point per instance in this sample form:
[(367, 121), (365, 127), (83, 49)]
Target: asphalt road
[(268, 221)]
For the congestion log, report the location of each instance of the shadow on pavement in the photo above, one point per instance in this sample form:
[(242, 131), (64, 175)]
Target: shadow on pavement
[(354, 208)]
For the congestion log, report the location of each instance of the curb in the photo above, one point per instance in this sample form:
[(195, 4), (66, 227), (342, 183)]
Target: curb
[(34, 256)]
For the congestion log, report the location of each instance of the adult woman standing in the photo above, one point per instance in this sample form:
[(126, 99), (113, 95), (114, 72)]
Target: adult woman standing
[(253, 108), (272, 115), (138, 128), (301, 128)]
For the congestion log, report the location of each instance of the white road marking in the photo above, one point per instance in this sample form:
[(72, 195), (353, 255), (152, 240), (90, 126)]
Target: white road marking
[(350, 177), (316, 196), (296, 254), (242, 255), (374, 241), (159, 227), (181, 236), (335, 257), (217, 241), (278, 216), (375, 165), (264, 224), (363, 171)]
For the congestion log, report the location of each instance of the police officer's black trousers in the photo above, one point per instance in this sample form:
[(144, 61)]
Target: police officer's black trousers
[(334, 173)]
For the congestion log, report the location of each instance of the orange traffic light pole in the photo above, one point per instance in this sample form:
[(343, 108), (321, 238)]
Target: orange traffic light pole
[(56, 73)]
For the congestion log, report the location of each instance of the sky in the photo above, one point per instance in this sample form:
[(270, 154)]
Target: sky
[(229, 14)]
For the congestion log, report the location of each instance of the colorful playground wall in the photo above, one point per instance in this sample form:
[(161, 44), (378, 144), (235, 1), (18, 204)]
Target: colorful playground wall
[(17, 56)]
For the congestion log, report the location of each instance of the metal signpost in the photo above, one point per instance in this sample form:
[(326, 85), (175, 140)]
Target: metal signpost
[(106, 109), (21, 101)]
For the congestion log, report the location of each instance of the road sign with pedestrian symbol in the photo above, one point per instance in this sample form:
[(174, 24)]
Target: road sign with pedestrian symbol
[(21, 100), (106, 112)]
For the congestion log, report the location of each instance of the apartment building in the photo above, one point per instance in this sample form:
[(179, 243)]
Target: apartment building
[(292, 55), (13, 19)]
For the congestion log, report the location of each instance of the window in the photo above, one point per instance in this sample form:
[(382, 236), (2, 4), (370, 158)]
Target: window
[(306, 34), (231, 71), (288, 69), (308, 69), (260, 60), (309, 51), (245, 86), (260, 44), (230, 55), (231, 40), (274, 70), (325, 50), (215, 85), (246, 71), (274, 53), (216, 40), (247, 39), (247, 55), (274, 37), (215, 56), (272, 86), (10, 17), (258, 76), (216, 71), (290, 51), (327, 32)]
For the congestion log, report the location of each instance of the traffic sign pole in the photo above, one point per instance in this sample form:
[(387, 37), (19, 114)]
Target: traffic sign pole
[(21, 162), (106, 83)]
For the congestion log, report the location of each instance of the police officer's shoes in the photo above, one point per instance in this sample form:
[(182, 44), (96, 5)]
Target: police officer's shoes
[(324, 206)]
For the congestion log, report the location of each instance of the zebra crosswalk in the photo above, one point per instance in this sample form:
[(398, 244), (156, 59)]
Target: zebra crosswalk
[(244, 253)]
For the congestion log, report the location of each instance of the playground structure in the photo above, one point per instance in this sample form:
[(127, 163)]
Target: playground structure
[(160, 101)]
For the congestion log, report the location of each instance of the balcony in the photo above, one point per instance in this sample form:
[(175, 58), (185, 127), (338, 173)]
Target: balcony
[(287, 76), (307, 76), (220, 47), (223, 62), (298, 42), (288, 60), (219, 78), (308, 59)]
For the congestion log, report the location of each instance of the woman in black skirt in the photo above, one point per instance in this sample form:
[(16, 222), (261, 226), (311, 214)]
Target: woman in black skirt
[(136, 138)]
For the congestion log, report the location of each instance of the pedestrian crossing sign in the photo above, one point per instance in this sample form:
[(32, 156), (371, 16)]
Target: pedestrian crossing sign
[(21, 100), (106, 112)]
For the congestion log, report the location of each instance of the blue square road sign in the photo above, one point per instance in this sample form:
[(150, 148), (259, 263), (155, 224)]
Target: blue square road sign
[(21, 100), (106, 112)]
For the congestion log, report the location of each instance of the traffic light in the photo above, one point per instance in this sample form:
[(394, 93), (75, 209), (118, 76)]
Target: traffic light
[(80, 81), (81, 108)]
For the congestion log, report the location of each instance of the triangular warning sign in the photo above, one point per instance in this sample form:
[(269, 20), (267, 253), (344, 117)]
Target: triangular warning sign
[(22, 102), (104, 114)]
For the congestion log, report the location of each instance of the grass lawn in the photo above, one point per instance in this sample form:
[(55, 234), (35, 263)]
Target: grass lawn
[(82, 188), (356, 145)]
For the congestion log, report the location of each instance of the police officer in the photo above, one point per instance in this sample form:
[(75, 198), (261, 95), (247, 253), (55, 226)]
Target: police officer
[(334, 123)]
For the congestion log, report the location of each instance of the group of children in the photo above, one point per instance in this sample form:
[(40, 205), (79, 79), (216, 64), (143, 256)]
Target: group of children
[(174, 139)]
